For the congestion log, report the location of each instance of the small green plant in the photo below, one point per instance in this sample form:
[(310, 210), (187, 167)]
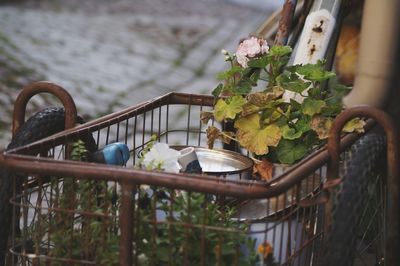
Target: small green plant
[(195, 228), (82, 223), (170, 225), (267, 122)]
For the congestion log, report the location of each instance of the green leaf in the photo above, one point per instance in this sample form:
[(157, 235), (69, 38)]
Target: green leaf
[(311, 107), (292, 83), (334, 103), (290, 133), (289, 151), (280, 122), (229, 73), (296, 106), (292, 69), (314, 72), (255, 77), (229, 108), (244, 87), (341, 89), (303, 124), (261, 62), (310, 139), (278, 50), (315, 93), (332, 108), (217, 91), (255, 138)]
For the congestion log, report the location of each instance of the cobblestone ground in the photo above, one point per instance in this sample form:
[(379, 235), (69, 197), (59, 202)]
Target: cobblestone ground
[(113, 54)]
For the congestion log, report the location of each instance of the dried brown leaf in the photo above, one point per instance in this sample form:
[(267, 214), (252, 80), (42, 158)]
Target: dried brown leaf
[(321, 125), (205, 116), (264, 169), (212, 134)]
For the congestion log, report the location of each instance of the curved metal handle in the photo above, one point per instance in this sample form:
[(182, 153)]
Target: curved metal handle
[(38, 87)]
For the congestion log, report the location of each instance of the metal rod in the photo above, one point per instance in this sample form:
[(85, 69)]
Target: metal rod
[(247, 189), (285, 22), (126, 225)]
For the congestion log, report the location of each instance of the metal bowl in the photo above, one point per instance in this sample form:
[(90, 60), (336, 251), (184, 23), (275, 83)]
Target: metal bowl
[(223, 163)]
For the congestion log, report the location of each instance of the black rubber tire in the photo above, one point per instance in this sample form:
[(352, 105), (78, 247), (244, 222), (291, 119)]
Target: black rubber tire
[(44, 123), (363, 161)]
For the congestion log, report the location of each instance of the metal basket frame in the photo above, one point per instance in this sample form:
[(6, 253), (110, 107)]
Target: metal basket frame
[(24, 160)]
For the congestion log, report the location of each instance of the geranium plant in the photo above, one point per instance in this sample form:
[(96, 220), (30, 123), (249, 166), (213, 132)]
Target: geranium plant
[(253, 96)]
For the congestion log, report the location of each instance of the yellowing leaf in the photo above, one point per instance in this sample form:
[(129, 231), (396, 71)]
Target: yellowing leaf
[(262, 98), (311, 107), (321, 125), (354, 125), (229, 108), (248, 109), (254, 138), (275, 115)]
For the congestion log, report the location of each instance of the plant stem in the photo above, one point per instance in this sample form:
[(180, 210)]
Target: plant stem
[(229, 137)]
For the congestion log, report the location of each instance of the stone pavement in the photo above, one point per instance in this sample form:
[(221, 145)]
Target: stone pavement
[(113, 54)]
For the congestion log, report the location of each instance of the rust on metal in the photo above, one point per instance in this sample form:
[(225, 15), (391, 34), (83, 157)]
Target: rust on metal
[(206, 184), (248, 189), (38, 87), (126, 225), (141, 119), (285, 22), (318, 28), (392, 243)]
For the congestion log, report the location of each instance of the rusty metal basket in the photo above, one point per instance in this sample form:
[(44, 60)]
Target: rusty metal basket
[(67, 211)]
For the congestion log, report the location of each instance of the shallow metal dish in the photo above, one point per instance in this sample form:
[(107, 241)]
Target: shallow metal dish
[(223, 163)]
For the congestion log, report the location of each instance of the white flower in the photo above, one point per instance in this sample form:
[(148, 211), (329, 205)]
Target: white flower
[(162, 157), (242, 59), (250, 48), (264, 46)]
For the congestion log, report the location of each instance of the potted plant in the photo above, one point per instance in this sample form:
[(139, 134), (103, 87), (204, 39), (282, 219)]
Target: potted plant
[(256, 96)]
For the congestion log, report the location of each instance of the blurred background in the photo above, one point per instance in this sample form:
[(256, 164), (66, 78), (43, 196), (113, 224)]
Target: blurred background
[(114, 54)]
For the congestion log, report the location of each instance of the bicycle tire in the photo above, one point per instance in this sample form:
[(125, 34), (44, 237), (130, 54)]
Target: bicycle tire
[(44, 123), (362, 162)]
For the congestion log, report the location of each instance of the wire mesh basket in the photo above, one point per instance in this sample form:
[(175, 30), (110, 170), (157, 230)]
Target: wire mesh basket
[(67, 211)]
